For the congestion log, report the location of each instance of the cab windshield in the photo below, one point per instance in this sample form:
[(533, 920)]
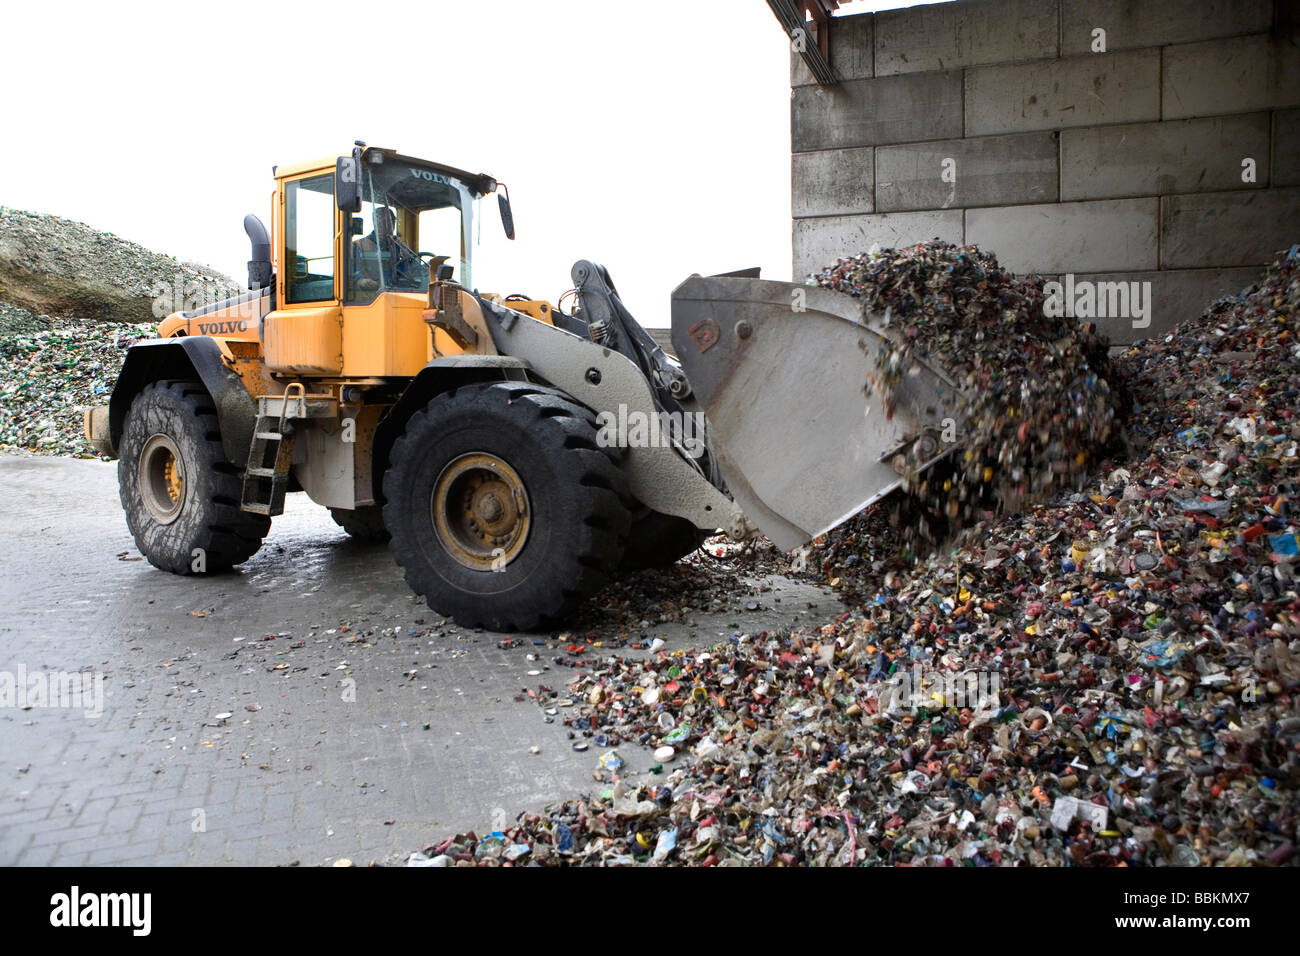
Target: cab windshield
[(413, 220)]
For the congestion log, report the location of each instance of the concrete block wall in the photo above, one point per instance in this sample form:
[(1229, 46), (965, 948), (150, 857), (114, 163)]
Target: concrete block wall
[(1122, 164)]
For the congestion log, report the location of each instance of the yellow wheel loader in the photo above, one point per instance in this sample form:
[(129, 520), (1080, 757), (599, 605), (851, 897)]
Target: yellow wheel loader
[(514, 454)]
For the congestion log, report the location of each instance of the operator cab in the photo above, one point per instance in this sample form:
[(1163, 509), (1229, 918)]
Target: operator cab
[(413, 225), (403, 222)]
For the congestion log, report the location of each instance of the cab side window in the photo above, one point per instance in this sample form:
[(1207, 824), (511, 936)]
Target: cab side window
[(309, 239), (361, 279), (440, 233)]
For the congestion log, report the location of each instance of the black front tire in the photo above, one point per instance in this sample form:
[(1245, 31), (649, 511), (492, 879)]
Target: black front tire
[(180, 493), (574, 498)]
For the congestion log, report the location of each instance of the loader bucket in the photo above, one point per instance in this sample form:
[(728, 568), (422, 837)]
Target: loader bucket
[(779, 370)]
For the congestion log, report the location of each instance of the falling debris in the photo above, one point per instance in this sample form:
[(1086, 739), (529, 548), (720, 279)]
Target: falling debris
[(1033, 402), (1106, 679)]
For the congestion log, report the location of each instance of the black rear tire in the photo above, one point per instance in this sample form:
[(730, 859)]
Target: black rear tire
[(180, 493), (566, 519), (657, 540), (365, 524)]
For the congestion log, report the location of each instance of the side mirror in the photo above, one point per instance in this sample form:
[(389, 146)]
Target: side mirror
[(507, 217), (347, 183), (355, 226)]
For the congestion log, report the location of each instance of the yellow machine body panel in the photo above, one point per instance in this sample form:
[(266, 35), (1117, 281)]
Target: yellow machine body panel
[(539, 309), (239, 321), (387, 337), (305, 341)]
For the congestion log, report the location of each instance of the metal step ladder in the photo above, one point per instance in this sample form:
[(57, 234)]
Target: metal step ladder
[(266, 479)]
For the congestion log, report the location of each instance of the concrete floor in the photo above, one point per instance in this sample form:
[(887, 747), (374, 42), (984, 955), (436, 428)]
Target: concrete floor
[(300, 771)]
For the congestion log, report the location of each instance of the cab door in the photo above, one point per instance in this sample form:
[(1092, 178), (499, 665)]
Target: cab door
[(305, 334), (384, 331)]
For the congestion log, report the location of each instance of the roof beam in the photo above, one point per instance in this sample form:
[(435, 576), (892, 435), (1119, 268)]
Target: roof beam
[(794, 16)]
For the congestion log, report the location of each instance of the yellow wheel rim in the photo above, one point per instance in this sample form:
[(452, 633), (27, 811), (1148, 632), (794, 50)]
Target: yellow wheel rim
[(160, 478), (481, 512)]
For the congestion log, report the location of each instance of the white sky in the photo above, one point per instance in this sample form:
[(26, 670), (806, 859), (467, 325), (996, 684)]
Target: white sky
[(653, 138)]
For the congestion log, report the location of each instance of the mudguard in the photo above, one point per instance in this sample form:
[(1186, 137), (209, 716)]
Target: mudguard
[(187, 357)]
